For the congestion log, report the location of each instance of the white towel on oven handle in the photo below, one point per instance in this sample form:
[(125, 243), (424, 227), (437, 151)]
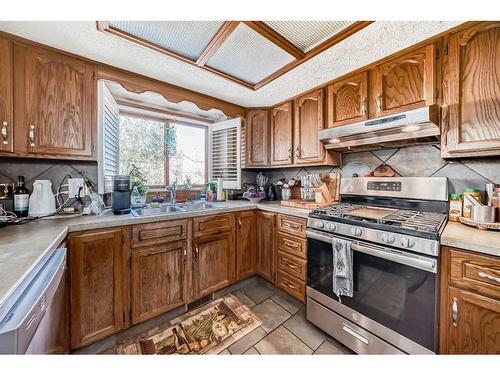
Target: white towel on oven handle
[(342, 267)]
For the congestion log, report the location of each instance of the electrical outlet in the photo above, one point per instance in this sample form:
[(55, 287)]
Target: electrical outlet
[(74, 186)]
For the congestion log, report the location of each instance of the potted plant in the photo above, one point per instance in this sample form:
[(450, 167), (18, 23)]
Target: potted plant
[(138, 186), (185, 190)]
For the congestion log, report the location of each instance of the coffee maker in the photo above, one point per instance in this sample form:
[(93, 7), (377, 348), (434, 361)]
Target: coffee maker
[(121, 195)]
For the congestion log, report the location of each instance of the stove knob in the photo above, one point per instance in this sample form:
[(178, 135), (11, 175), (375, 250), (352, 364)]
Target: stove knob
[(356, 232), (319, 224), (388, 238), (407, 242), (331, 227)]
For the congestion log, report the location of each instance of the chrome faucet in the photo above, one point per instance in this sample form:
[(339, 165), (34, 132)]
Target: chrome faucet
[(172, 189)]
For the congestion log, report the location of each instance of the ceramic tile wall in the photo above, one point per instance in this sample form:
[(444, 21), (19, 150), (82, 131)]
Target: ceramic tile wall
[(421, 160)]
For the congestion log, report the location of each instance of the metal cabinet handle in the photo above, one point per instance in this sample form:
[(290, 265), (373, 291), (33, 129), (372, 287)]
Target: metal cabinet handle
[(379, 102), (32, 135), (485, 275), (355, 334), (290, 154), (454, 312), (291, 286), (4, 132), (292, 266), (196, 251), (239, 223), (363, 106), (290, 244)]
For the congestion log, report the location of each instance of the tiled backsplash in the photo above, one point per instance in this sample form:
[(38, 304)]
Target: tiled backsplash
[(421, 161)]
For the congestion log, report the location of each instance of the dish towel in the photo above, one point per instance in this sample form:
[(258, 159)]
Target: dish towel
[(342, 268)]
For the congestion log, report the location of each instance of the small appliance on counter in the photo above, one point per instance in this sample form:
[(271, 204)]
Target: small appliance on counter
[(121, 195), (42, 201)]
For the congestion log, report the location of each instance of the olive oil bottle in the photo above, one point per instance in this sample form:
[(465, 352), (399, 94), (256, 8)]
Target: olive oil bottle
[(21, 198)]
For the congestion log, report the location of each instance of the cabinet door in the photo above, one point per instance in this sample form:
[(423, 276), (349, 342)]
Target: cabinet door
[(6, 93), (96, 285), (471, 92), (246, 249), (59, 94), (266, 232), (473, 323), (213, 263), (308, 121), (282, 135), (348, 100), (404, 83), (158, 280), (257, 138)]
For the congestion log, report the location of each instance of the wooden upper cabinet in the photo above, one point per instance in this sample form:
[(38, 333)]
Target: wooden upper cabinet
[(96, 285), (158, 279), (246, 249), (308, 121), (471, 92), (6, 96), (282, 134), (347, 100), (404, 83), (59, 110), (257, 138)]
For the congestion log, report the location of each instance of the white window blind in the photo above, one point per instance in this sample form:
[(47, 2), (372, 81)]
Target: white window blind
[(107, 139), (225, 153)]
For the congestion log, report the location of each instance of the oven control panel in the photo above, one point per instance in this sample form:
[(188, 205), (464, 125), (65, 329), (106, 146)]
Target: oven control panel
[(384, 185)]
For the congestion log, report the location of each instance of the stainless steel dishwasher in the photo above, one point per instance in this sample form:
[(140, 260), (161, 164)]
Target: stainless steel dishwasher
[(37, 321)]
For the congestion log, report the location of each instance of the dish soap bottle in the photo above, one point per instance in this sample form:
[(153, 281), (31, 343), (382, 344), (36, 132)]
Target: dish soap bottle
[(21, 198)]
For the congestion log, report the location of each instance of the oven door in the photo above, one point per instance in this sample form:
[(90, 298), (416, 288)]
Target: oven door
[(394, 295)]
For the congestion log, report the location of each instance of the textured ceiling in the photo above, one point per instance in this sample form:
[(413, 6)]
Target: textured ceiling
[(370, 44)]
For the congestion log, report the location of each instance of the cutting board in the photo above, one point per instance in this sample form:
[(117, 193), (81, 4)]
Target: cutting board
[(308, 205)]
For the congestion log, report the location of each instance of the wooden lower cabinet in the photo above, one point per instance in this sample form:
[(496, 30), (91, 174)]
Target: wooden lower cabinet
[(157, 280), (246, 247), (96, 270), (470, 303), (266, 238), (214, 263)]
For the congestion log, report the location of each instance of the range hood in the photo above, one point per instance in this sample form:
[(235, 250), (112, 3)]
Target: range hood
[(415, 126)]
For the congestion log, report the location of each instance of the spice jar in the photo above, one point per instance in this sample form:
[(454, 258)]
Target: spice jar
[(474, 193), (455, 210)]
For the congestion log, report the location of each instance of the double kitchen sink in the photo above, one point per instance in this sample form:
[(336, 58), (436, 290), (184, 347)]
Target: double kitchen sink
[(164, 209)]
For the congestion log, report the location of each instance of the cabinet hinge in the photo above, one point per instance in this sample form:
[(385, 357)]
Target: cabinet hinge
[(124, 316), (130, 315), (437, 53), (437, 93), (93, 76), (446, 50)]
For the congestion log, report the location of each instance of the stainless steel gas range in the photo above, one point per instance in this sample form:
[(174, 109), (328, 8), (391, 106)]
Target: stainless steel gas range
[(394, 226)]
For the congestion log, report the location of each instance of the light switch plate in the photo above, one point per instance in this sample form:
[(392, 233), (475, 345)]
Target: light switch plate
[(74, 186)]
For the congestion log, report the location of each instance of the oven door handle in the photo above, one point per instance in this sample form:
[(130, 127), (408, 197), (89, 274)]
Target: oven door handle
[(398, 256)]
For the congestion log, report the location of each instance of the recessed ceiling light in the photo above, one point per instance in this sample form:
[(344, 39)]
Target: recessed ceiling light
[(334, 140)]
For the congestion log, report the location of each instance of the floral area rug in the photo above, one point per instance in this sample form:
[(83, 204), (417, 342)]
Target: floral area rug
[(206, 330)]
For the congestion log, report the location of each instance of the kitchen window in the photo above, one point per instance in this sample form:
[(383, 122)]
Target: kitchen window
[(165, 151)]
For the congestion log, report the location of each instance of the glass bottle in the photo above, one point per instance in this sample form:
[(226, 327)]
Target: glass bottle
[(21, 198)]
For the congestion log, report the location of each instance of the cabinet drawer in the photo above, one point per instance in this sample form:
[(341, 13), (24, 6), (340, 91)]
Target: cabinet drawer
[(292, 225), (292, 265), (158, 233), (292, 245), (474, 272), (212, 224), (291, 285)]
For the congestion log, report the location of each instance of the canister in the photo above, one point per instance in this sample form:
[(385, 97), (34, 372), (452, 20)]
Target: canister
[(474, 193)]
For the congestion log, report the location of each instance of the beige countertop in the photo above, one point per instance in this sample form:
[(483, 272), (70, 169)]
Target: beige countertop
[(469, 238), (24, 247)]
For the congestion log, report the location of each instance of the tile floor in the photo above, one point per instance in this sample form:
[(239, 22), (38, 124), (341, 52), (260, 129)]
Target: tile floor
[(284, 328)]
